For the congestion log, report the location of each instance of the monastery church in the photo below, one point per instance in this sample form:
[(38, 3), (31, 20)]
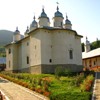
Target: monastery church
[(45, 47)]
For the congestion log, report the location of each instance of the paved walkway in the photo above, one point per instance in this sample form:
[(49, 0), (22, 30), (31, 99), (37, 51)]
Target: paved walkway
[(96, 91), (17, 92)]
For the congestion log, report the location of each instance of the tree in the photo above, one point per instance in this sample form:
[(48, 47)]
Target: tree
[(82, 47), (95, 44)]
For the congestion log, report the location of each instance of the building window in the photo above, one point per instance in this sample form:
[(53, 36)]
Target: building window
[(50, 60), (71, 54), (61, 24), (9, 51), (27, 59), (94, 63)]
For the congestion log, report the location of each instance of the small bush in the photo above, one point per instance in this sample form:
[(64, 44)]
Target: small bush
[(71, 96), (59, 71)]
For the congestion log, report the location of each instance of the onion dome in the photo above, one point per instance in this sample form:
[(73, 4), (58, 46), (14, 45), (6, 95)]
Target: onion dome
[(58, 14), (16, 31), (34, 23), (87, 42), (43, 14), (27, 30), (67, 21)]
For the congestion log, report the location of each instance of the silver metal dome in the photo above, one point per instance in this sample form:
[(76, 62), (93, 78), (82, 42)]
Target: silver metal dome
[(43, 14), (58, 14), (67, 21), (16, 31), (34, 23), (27, 30), (87, 42)]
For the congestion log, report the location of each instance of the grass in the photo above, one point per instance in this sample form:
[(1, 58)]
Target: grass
[(62, 88)]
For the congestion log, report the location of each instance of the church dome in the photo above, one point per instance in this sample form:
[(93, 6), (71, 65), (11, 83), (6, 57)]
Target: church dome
[(87, 42), (34, 23), (16, 31), (43, 14), (27, 30), (67, 21), (58, 14)]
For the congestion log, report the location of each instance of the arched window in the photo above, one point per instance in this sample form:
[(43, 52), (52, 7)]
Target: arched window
[(9, 51), (61, 24), (27, 59), (50, 60), (71, 54)]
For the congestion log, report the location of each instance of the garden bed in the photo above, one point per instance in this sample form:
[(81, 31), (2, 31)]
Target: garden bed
[(63, 88)]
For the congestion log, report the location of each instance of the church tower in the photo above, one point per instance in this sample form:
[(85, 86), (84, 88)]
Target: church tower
[(26, 32), (58, 19), (67, 24), (33, 24), (16, 35), (43, 19), (87, 45)]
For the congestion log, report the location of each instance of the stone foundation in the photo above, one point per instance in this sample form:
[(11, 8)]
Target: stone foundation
[(51, 68), (46, 69)]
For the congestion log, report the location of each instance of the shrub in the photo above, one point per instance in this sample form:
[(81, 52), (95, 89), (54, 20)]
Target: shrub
[(71, 96), (87, 83), (59, 71)]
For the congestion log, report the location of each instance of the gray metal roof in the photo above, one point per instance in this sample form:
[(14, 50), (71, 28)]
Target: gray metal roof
[(2, 60), (27, 30), (90, 54), (16, 31), (34, 23), (43, 14), (57, 13), (67, 21)]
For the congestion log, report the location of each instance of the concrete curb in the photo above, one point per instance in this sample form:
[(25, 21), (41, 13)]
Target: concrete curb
[(40, 96), (4, 96), (94, 95)]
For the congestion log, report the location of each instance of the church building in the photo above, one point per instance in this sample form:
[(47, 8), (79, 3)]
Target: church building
[(45, 47)]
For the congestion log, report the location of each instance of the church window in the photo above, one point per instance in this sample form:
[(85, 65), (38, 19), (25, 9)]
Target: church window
[(50, 60), (71, 54), (27, 60), (61, 24), (9, 50)]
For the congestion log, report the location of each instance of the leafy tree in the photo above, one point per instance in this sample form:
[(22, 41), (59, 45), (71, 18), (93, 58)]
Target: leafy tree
[(95, 44), (82, 47)]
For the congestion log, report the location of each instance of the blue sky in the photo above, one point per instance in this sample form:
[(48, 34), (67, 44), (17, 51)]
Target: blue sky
[(83, 14)]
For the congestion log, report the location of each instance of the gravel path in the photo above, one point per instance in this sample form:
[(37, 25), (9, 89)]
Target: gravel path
[(17, 92)]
